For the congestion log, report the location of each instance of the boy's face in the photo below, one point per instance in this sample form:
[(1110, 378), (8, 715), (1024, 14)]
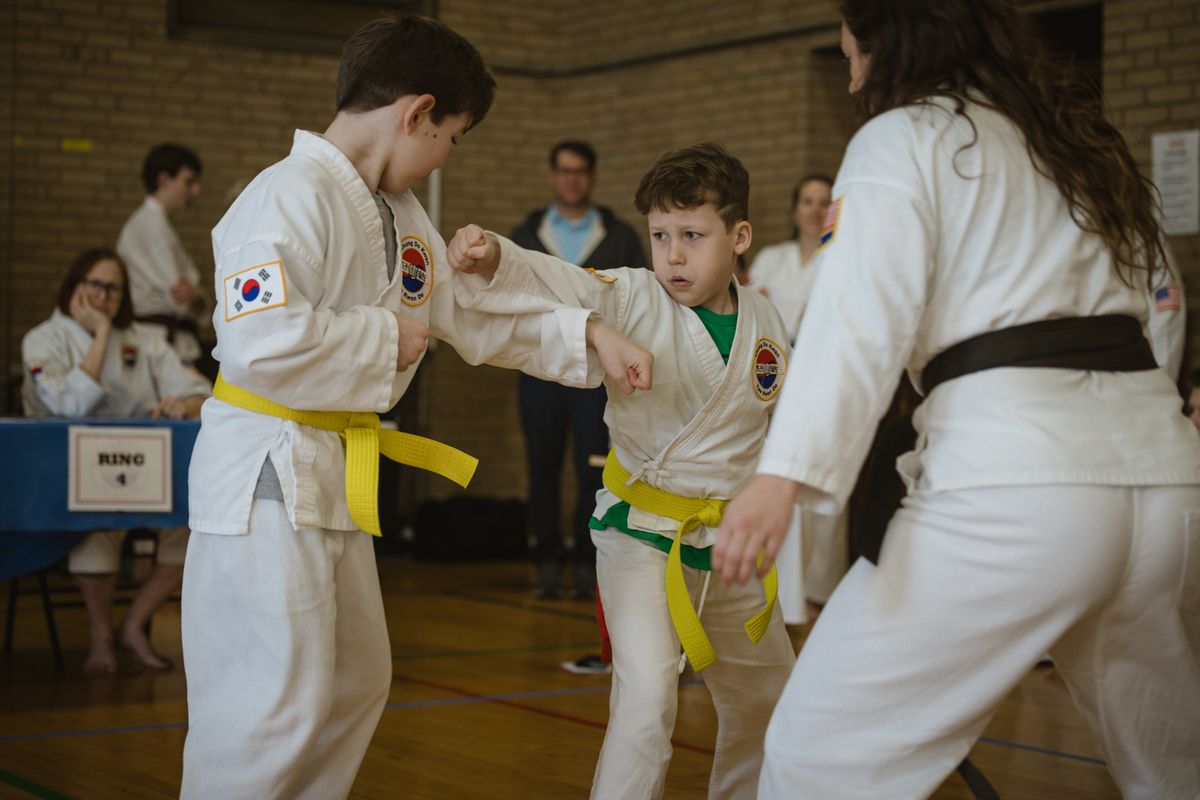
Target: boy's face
[(179, 191), (695, 256), (427, 150)]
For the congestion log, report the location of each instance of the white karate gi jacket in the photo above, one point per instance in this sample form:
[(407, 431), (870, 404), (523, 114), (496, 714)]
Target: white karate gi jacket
[(304, 317), (139, 369), (938, 238), (156, 259), (698, 431)]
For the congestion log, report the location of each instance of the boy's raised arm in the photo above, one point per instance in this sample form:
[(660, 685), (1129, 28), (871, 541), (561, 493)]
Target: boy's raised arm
[(474, 251)]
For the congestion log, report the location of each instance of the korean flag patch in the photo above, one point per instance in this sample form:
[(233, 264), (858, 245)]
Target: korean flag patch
[(255, 288)]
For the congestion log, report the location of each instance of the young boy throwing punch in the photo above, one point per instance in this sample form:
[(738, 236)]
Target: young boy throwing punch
[(678, 450), (328, 282)]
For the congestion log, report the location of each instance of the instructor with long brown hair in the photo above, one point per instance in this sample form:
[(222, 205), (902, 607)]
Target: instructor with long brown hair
[(991, 233)]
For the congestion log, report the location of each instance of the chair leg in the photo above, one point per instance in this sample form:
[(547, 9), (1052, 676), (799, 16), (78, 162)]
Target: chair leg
[(51, 628), (11, 616)]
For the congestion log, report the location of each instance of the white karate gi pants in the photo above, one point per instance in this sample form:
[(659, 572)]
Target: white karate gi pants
[(909, 659), (287, 658), (745, 682)]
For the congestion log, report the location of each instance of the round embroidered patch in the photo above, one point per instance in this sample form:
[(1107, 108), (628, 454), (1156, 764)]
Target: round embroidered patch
[(766, 373), (416, 271)]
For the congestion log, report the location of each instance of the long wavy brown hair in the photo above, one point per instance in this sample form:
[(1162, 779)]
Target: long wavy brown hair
[(920, 49)]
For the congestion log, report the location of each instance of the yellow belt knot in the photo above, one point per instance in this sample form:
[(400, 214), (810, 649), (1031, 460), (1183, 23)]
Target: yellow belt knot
[(365, 442), (690, 512), (710, 515)]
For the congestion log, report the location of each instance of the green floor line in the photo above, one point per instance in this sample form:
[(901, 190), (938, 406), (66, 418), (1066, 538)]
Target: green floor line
[(35, 789)]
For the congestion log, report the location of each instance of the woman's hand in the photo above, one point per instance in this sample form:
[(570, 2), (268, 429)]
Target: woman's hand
[(755, 522), (90, 318), (170, 408)]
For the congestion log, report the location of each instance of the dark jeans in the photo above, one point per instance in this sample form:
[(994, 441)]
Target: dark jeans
[(546, 410)]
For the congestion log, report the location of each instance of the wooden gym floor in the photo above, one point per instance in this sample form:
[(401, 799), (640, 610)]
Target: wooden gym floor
[(479, 708)]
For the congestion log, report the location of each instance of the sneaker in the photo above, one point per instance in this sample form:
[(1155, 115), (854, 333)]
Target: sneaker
[(545, 593), (587, 665)]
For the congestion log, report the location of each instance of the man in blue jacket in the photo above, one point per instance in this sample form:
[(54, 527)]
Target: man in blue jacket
[(574, 229)]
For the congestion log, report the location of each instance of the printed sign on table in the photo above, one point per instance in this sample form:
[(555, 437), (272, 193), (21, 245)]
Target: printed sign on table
[(118, 469)]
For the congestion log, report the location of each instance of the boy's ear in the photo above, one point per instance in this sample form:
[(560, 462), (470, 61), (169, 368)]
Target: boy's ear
[(415, 109), (742, 233)]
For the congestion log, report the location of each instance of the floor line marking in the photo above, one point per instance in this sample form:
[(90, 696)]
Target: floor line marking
[(499, 700), (1043, 750), (507, 699)]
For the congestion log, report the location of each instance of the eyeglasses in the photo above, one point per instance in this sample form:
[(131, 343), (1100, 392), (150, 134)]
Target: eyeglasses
[(101, 286)]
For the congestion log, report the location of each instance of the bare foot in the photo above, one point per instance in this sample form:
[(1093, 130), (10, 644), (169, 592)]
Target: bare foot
[(101, 660), (133, 639)]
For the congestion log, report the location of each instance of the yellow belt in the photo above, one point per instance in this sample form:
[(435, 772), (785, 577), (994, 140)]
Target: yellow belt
[(690, 512), (365, 441)]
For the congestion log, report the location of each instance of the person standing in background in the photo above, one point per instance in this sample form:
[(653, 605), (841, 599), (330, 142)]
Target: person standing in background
[(164, 281), (814, 557), (783, 272), (575, 230)]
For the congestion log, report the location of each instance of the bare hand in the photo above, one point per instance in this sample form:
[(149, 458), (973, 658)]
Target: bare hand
[(414, 338), (473, 251), (626, 363), (91, 318), (170, 408), (755, 521), (184, 292)]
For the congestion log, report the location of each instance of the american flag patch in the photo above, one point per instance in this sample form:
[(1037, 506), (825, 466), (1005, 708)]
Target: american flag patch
[(829, 228), (1166, 298)]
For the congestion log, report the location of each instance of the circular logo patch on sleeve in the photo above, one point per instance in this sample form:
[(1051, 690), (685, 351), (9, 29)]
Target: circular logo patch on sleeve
[(766, 372), (416, 271)]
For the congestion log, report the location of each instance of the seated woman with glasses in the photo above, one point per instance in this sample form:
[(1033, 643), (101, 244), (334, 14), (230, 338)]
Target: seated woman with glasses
[(91, 359)]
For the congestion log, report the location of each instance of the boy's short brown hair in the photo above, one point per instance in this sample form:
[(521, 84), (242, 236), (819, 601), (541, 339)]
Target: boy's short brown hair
[(695, 175), (387, 59)]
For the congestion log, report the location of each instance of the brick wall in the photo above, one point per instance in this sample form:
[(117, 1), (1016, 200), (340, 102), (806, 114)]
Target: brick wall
[(634, 78), (1152, 85)]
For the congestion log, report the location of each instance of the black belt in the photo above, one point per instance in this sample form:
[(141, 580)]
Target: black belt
[(1112, 343), (173, 324), (1109, 343)]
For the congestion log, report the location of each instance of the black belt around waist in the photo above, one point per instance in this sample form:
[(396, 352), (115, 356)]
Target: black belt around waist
[(172, 323), (1109, 343)]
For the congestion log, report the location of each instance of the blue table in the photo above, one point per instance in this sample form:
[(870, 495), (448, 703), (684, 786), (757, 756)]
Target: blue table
[(36, 529)]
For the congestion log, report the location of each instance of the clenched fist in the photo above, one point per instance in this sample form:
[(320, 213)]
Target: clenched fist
[(414, 338)]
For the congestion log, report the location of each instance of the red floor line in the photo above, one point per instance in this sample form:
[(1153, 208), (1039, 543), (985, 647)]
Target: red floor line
[(534, 709)]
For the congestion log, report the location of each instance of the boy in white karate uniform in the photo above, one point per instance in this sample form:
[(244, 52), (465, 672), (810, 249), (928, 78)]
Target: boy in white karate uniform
[(329, 280), (690, 440)]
